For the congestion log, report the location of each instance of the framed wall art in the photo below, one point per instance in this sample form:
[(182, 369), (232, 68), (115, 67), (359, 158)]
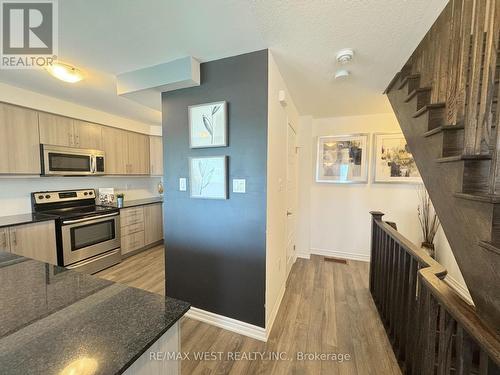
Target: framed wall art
[(393, 161), (208, 125), (342, 159), (208, 177)]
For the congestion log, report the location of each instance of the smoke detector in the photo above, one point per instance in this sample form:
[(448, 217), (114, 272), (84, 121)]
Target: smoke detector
[(345, 56)]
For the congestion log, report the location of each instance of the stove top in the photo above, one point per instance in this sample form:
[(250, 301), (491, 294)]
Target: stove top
[(72, 212), (68, 204)]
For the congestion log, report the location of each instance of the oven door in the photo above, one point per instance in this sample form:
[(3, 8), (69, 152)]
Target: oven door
[(67, 161), (88, 237)]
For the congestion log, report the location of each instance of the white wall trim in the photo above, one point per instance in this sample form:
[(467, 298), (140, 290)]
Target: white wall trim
[(341, 254), (459, 288), (303, 255), (274, 312), (230, 324)]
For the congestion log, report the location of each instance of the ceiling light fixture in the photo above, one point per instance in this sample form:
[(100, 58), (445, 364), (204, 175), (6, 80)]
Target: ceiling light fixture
[(345, 56), (65, 72)]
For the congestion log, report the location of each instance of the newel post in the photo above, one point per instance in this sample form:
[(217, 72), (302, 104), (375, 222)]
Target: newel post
[(376, 216)]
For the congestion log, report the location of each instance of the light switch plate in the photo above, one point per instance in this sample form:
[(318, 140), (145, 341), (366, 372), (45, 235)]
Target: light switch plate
[(239, 185), (182, 184)]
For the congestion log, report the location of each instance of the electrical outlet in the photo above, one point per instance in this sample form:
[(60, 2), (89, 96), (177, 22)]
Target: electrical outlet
[(239, 185), (182, 184)]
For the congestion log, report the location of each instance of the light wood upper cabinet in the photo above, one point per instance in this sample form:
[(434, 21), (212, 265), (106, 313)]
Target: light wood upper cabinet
[(138, 153), (36, 241), (87, 135), (56, 130), (156, 155), (19, 140), (114, 144), (153, 223)]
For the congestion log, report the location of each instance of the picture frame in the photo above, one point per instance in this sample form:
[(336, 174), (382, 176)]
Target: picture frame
[(208, 177), (208, 125), (393, 161), (343, 159)]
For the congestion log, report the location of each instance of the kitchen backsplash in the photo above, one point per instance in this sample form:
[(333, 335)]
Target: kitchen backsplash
[(15, 192)]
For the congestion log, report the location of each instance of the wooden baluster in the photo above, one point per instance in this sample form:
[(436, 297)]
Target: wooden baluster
[(405, 282), (454, 62), (446, 330), (390, 291), (464, 352), (483, 363), (471, 120), (429, 332), (385, 276), (400, 299), (412, 314)]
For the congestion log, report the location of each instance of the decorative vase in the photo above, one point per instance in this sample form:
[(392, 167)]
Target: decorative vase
[(119, 202), (429, 248)]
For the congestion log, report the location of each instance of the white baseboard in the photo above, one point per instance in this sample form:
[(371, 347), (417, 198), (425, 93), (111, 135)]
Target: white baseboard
[(341, 254), (459, 288), (230, 324), (274, 312), (303, 255)]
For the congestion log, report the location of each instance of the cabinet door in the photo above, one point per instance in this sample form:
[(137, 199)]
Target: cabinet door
[(138, 153), (153, 223), (19, 140), (36, 241), (56, 130), (88, 135), (4, 239), (114, 144), (156, 155)]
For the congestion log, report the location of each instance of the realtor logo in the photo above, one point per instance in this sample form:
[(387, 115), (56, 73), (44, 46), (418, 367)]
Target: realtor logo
[(29, 33)]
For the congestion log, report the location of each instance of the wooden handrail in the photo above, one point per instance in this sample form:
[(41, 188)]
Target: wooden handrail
[(425, 318)]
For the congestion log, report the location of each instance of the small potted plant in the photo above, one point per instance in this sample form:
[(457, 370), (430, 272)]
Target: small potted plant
[(119, 200), (429, 221)]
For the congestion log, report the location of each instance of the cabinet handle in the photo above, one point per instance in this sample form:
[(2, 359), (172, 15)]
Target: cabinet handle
[(77, 142), (14, 238)]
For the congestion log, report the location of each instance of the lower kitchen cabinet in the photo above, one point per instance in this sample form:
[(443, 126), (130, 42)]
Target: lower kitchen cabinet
[(153, 223), (140, 226), (4, 239), (36, 241)]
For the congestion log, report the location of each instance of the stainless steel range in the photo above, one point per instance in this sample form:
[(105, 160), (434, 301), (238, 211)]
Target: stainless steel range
[(88, 236)]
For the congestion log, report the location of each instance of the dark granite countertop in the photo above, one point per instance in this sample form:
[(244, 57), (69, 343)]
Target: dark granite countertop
[(138, 202), (9, 221), (53, 318)]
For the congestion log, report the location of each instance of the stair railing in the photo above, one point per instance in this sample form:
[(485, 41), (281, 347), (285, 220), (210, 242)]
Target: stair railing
[(431, 328), (458, 59)]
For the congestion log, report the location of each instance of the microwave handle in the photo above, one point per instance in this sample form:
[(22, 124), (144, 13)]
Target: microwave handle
[(92, 163)]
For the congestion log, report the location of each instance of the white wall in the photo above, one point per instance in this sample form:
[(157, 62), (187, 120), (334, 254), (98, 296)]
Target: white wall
[(278, 118), (335, 218)]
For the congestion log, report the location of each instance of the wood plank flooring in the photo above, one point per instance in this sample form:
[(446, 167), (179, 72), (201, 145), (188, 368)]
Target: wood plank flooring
[(327, 308)]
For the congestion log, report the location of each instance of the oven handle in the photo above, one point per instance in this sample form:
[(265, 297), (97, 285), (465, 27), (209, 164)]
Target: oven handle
[(90, 218)]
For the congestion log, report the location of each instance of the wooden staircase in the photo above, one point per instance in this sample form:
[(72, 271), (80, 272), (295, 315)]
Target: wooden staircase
[(446, 101)]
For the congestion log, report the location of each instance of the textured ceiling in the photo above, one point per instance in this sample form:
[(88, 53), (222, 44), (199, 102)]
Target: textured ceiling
[(109, 37)]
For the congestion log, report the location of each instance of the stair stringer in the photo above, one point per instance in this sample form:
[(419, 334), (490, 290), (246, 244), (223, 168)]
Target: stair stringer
[(465, 222)]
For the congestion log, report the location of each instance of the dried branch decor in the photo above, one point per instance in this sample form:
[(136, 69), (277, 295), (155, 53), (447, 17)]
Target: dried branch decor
[(429, 222)]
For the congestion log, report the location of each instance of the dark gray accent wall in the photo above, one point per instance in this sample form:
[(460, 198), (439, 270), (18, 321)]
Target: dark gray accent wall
[(216, 249)]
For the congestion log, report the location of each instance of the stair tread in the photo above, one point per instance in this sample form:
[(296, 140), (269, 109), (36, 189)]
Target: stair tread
[(414, 93), (488, 198), (489, 246), (408, 77), (463, 157), (425, 108), (442, 128), (392, 83)]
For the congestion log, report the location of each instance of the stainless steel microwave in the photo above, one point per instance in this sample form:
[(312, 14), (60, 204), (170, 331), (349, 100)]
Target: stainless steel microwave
[(70, 161)]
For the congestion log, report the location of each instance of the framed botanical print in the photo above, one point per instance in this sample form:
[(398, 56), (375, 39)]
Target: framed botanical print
[(208, 177), (208, 125), (393, 161), (342, 159)]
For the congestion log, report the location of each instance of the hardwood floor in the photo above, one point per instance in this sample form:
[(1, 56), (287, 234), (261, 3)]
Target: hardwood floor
[(327, 308)]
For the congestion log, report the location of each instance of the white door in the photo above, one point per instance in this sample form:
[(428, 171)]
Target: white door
[(291, 196)]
